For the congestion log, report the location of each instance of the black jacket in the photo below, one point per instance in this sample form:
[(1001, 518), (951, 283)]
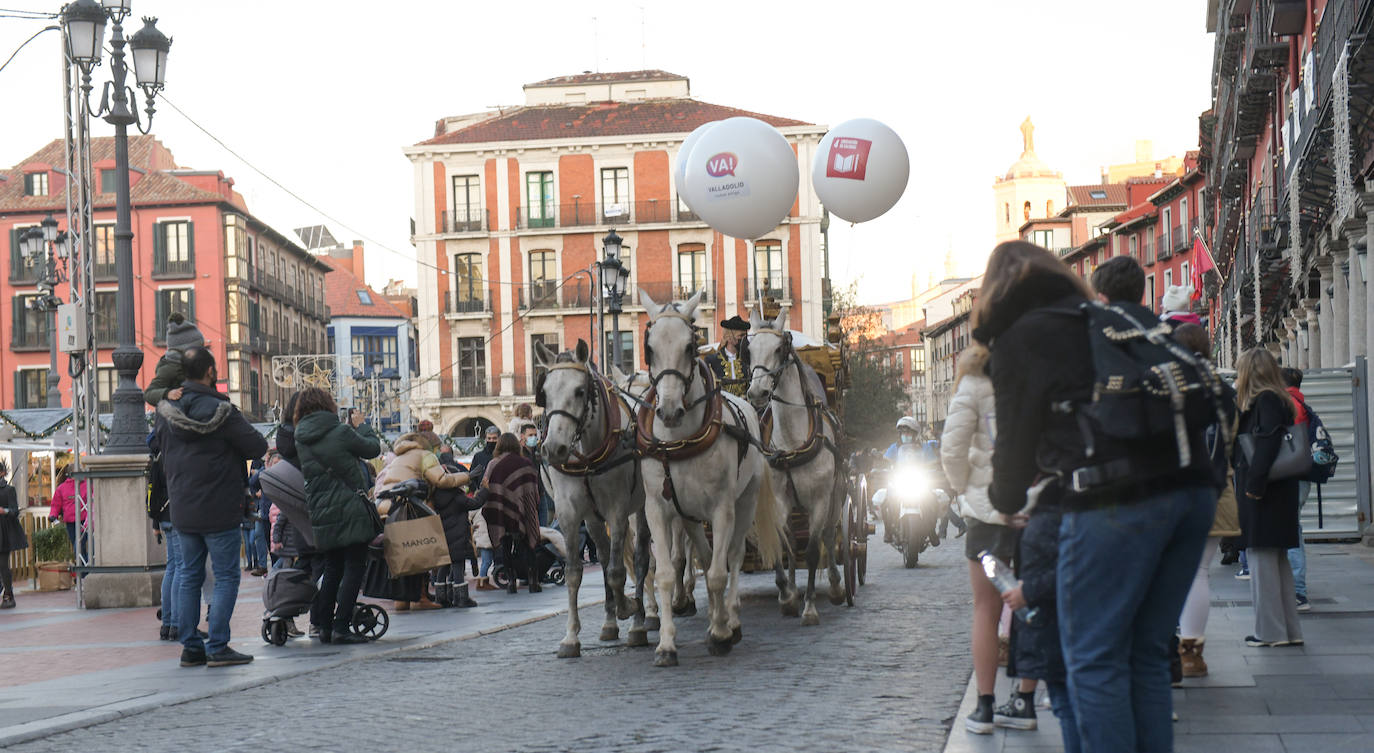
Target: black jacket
[(1037, 653), (12, 537), (205, 444), (1272, 520), (453, 507), (286, 444)]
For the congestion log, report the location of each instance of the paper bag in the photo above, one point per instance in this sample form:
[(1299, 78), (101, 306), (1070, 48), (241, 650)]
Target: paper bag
[(415, 545)]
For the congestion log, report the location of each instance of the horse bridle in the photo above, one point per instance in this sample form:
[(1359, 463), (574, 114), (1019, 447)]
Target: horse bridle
[(789, 356), (687, 379), (588, 405)]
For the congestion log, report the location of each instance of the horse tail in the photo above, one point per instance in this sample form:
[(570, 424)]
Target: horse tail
[(768, 523)]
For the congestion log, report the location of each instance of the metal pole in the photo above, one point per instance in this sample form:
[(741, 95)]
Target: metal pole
[(615, 331), (50, 308), (129, 426)]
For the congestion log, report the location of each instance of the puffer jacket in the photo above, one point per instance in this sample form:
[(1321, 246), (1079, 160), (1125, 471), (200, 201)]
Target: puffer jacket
[(966, 447), (480, 537), (414, 461), (169, 375), (335, 483)]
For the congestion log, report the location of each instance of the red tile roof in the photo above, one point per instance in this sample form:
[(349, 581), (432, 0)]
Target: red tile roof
[(341, 295), (540, 122), (1082, 195), (606, 78)]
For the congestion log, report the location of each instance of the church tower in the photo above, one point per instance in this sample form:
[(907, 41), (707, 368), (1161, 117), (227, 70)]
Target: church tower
[(1030, 190)]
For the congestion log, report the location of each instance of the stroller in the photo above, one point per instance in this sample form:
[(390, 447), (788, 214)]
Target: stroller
[(291, 590), (550, 561)]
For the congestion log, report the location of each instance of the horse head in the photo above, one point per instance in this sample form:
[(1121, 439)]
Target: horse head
[(670, 353), (769, 348), (567, 398)]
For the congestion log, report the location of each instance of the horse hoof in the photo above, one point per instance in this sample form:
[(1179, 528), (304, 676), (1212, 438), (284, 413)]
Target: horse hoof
[(736, 636), (651, 623), (837, 598), (790, 608), (631, 608), (610, 633), (718, 647), (569, 650), (637, 638), (665, 659), (810, 618), (685, 610)]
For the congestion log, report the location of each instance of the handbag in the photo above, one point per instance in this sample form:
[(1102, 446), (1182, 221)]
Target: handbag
[(414, 542), (373, 515), (1295, 454)]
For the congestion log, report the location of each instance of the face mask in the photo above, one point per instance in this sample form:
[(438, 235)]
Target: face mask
[(531, 441), (491, 447)]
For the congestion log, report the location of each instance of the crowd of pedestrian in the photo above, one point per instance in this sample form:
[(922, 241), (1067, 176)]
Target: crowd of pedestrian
[(1112, 533)]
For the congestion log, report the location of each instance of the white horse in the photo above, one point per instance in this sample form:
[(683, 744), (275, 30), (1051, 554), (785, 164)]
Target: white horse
[(803, 457), (593, 473), (701, 463)]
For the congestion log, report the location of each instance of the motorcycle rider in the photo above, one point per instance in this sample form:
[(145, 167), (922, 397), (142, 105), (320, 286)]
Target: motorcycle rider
[(922, 455)]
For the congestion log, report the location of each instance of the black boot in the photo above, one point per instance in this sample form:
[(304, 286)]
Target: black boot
[(443, 594), (460, 596), (514, 587)]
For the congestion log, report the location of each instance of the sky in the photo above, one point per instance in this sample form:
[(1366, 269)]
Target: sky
[(322, 96)]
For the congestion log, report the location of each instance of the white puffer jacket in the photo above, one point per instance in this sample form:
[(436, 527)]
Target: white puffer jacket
[(966, 447)]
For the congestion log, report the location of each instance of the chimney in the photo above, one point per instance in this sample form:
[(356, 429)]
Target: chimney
[(357, 260)]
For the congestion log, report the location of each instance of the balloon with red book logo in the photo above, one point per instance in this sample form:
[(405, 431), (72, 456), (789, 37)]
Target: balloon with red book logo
[(860, 169), (684, 153), (742, 178)]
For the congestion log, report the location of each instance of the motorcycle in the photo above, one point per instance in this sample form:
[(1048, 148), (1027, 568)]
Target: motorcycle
[(911, 506)]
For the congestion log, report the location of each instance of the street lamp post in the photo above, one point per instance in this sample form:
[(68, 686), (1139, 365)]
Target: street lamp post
[(85, 24), (615, 275), (373, 379), (45, 245)]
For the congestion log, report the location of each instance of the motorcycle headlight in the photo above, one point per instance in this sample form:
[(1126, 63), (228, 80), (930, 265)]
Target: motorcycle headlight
[(911, 481)]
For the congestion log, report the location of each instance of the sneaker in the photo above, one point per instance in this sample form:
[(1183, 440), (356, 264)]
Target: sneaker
[(228, 658), (1017, 713), (191, 658), (1304, 605), (258, 572), (7, 602), (291, 630), (1244, 574), (1254, 642), (980, 721), (164, 633)]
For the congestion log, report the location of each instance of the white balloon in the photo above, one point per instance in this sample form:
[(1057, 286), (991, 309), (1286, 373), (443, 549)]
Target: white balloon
[(742, 178), (684, 153), (860, 169)]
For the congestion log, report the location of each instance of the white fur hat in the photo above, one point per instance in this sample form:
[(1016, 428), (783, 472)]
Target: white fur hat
[(1177, 298)]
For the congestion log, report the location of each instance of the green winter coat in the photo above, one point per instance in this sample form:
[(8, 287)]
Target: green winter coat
[(169, 376), (335, 481)]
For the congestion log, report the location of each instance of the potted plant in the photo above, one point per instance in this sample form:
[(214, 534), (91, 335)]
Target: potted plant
[(53, 552)]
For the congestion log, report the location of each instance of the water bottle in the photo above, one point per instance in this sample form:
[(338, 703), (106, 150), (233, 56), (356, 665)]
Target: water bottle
[(1005, 580)]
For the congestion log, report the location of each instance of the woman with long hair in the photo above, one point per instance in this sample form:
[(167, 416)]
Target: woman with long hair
[(512, 509), (336, 492), (966, 455), (1268, 509)]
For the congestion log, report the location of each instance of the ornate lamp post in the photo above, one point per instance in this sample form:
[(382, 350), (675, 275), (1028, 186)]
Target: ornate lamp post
[(614, 277), (45, 245), (85, 30)]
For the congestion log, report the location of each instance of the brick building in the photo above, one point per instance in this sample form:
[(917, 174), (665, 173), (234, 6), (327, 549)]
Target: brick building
[(253, 292), (510, 209)]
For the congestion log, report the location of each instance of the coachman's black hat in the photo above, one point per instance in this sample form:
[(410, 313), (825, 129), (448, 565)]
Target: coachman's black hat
[(735, 323)]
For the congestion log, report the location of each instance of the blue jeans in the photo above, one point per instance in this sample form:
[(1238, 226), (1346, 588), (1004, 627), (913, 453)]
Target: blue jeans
[(171, 576), (261, 538), (1297, 556), (223, 550), (1124, 573), (487, 556), (1063, 711)]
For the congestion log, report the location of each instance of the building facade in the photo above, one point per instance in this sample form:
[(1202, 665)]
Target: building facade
[(510, 209), (948, 330), (1029, 190), (252, 291)]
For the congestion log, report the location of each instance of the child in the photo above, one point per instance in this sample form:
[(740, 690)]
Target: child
[(166, 383)]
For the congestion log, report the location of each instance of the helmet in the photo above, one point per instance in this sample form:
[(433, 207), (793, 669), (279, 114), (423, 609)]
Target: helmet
[(908, 423)]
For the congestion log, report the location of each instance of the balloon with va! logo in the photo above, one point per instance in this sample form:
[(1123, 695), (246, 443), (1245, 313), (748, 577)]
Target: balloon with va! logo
[(741, 178), (860, 169), (684, 153)]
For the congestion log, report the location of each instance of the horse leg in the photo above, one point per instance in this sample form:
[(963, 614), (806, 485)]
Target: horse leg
[(638, 631), (684, 597), (813, 560), (610, 631), (718, 633), (787, 587), (833, 531), (665, 655), (571, 647), (625, 607)]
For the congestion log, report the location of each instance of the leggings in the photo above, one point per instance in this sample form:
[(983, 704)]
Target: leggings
[(6, 576), (1193, 622)]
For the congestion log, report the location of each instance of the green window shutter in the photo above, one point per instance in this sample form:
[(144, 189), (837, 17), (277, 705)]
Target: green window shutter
[(191, 306), (160, 311), (15, 254), (191, 247), (18, 320), (159, 248)]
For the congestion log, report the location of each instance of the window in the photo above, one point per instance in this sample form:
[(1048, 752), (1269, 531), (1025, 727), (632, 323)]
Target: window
[(549, 341), (31, 388), (918, 359), (684, 212), (1097, 195), (1152, 298), (691, 269), (1049, 208), (1133, 245), (539, 198), (467, 271), (472, 367), (364, 297), (543, 280), (1183, 211), (109, 181), (1183, 278), (106, 318), (174, 299), (1043, 238), (173, 249), (31, 325), (467, 204), (1006, 212), (36, 184), (106, 378), (105, 251), (768, 270), (626, 351), (1026, 210), (21, 268), (1168, 278), (615, 194), (376, 345), (1166, 229)]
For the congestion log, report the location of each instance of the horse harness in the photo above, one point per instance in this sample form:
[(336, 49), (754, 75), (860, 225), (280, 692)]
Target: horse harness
[(603, 458), (816, 415)]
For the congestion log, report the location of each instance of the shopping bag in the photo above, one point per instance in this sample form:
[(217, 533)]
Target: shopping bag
[(414, 544)]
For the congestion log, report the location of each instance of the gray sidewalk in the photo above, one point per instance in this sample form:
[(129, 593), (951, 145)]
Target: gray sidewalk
[(1316, 697)]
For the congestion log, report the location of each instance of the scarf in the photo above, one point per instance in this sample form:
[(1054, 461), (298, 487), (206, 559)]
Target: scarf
[(513, 499)]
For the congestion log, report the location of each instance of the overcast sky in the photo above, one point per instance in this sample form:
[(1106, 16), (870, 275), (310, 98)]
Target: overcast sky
[(322, 96)]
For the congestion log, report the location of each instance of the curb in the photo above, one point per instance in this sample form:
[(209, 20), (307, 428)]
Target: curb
[(38, 729)]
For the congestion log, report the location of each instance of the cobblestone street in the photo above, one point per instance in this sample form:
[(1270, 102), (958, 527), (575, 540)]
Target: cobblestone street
[(885, 675)]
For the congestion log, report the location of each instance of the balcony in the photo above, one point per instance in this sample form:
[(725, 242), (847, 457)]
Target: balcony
[(106, 332), (464, 220), (548, 296), (105, 271), (257, 341), (685, 214), (23, 272), (29, 340), (662, 292), (592, 214), (168, 268), (467, 302), (776, 287), (1180, 239), (468, 386), (1164, 244)]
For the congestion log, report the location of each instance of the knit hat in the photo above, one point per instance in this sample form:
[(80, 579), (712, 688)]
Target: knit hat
[(1177, 298), (182, 334)]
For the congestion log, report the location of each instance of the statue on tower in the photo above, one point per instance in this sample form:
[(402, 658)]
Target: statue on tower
[(1027, 137)]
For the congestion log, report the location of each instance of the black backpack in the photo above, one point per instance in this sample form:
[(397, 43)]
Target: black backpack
[(1149, 394), (156, 485), (1324, 457)]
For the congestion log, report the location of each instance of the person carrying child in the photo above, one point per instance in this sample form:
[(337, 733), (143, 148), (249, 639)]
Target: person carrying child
[(170, 373)]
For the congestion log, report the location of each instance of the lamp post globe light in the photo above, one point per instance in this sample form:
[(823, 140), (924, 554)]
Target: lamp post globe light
[(615, 275), (84, 25)]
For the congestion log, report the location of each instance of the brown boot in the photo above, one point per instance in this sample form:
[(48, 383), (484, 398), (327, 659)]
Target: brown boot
[(423, 604), (402, 606), (1190, 653)]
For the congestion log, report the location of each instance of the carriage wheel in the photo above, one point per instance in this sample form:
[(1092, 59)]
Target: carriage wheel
[(557, 575), (370, 621), (847, 550), (500, 576), (858, 535)]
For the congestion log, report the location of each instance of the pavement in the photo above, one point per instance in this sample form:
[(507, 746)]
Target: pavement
[(64, 668), (1315, 697)]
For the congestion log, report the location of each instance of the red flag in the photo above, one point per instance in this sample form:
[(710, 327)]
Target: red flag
[(1202, 264)]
